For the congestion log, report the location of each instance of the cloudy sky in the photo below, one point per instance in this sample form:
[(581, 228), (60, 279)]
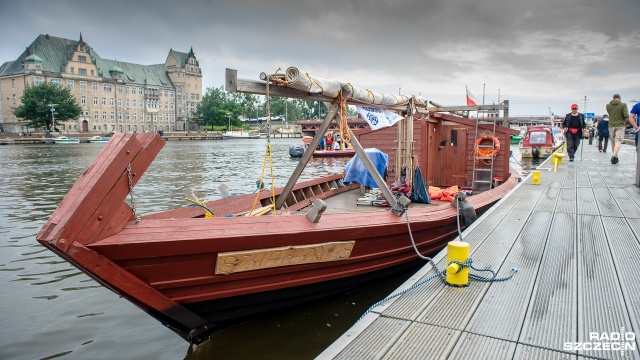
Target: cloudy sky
[(540, 55)]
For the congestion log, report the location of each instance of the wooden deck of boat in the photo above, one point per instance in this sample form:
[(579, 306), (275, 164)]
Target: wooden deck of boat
[(574, 239)]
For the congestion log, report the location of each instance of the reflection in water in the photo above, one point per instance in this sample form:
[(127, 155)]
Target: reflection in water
[(50, 309)]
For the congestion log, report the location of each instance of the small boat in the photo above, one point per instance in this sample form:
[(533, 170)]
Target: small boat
[(334, 153), (98, 139), (6, 141), (540, 142), (65, 140), (235, 134)]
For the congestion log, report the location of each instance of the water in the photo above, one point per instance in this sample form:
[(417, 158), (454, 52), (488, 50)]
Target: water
[(49, 309)]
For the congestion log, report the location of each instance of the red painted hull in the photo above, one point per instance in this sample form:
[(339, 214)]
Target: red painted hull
[(166, 263)]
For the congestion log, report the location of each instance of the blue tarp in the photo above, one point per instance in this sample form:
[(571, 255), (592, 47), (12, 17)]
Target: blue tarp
[(356, 172)]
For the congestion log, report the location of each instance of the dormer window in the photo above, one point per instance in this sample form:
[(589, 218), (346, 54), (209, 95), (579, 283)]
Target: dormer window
[(82, 59)]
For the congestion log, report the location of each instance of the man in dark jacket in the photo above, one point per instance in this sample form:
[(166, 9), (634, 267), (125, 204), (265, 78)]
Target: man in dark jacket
[(618, 116), (603, 133), (573, 125)]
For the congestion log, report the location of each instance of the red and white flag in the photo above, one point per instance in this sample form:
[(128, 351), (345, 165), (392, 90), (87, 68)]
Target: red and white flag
[(471, 100)]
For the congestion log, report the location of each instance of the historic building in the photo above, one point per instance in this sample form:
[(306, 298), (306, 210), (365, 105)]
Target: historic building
[(114, 95)]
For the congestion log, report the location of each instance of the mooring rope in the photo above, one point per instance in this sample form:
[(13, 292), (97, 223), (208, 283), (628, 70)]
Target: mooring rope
[(440, 273)]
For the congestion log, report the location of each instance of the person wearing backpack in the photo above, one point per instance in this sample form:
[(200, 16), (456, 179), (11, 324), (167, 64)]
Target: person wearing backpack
[(603, 133)]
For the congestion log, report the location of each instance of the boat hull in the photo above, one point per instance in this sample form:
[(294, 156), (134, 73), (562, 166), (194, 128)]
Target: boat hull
[(334, 153), (197, 275)]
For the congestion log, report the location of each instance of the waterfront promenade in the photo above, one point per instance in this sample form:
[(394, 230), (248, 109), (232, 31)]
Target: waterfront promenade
[(574, 239)]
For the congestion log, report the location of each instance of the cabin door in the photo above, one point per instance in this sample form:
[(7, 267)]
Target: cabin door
[(452, 156)]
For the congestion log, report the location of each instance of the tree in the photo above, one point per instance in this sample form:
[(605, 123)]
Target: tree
[(36, 100)]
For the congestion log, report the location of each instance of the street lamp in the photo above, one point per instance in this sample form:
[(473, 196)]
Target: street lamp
[(229, 117), (53, 119)]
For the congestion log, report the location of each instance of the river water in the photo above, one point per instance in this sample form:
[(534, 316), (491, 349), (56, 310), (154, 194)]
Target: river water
[(49, 309)]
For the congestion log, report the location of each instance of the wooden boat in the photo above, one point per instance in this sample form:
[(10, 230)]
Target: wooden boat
[(98, 139), (540, 142), (235, 134), (65, 140), (199, 274), (334, 153)]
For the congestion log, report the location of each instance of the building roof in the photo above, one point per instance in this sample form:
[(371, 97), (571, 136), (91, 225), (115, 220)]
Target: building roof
[(55, 52)]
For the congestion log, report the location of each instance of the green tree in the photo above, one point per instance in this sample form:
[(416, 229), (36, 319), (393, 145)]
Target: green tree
[(217, 107), (36, 101)]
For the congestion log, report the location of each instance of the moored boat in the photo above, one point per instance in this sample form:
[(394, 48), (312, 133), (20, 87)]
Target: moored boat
[(238, 134), (540, 142), (198, 274), (65, 140), (334, 153), (98, 139)]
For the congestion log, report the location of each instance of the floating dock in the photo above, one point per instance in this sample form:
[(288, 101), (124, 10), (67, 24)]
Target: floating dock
[(574, 239)]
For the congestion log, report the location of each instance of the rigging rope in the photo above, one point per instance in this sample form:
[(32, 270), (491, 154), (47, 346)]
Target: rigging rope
[(344, 125), (268, 151)]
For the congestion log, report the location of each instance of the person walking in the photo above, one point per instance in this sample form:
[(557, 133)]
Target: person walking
[(618, 115), (603, 133), (633, 119), (573, 125)]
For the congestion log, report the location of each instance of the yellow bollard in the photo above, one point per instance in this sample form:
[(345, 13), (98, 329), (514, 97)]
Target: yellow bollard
[(556, 159), (535, 177), (458, 251)]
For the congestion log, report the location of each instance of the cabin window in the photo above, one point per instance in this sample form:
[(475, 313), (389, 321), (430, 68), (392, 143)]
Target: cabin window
[(538, 137), (454, 137)]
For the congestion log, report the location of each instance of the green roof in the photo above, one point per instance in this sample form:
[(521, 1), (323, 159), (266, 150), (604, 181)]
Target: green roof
[(55, 52), (33, 58)]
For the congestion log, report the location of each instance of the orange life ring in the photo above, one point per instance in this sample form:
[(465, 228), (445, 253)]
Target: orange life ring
[(486, 152)]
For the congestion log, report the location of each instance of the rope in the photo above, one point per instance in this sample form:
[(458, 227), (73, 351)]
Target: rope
[(269, 151), (440, 273), (344, 125), (208, 212)]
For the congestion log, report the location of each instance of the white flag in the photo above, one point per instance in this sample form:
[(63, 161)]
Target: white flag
[(378, 118)]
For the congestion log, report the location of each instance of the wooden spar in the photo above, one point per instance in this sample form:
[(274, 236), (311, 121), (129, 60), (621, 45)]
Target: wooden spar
[(234, 84), (408, 153), (375, 175), (333, 110)]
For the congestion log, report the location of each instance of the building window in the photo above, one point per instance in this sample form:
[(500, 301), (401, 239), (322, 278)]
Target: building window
[(13, 83), (83, 100), (70, 84), (82, 71), (94, 86), (82, 59), (95, 100), (135, 117), (104, 101), (120, 89), (14, 98), (111, 101), (96, 116), (92, 73), (133, 90), (127, 103), (104, 117), (106, 87), (83, 85), (134, 103), (72, 70), (119, 102), (119, 115), (113, 115), (56, 81), (140, 91)]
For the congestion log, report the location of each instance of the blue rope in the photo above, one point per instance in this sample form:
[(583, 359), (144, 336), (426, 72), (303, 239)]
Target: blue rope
[(440, 273), (204, 207)]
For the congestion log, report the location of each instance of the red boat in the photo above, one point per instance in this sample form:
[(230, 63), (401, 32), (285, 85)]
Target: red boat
[(540, 142), (334, 153), (199, 274)]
